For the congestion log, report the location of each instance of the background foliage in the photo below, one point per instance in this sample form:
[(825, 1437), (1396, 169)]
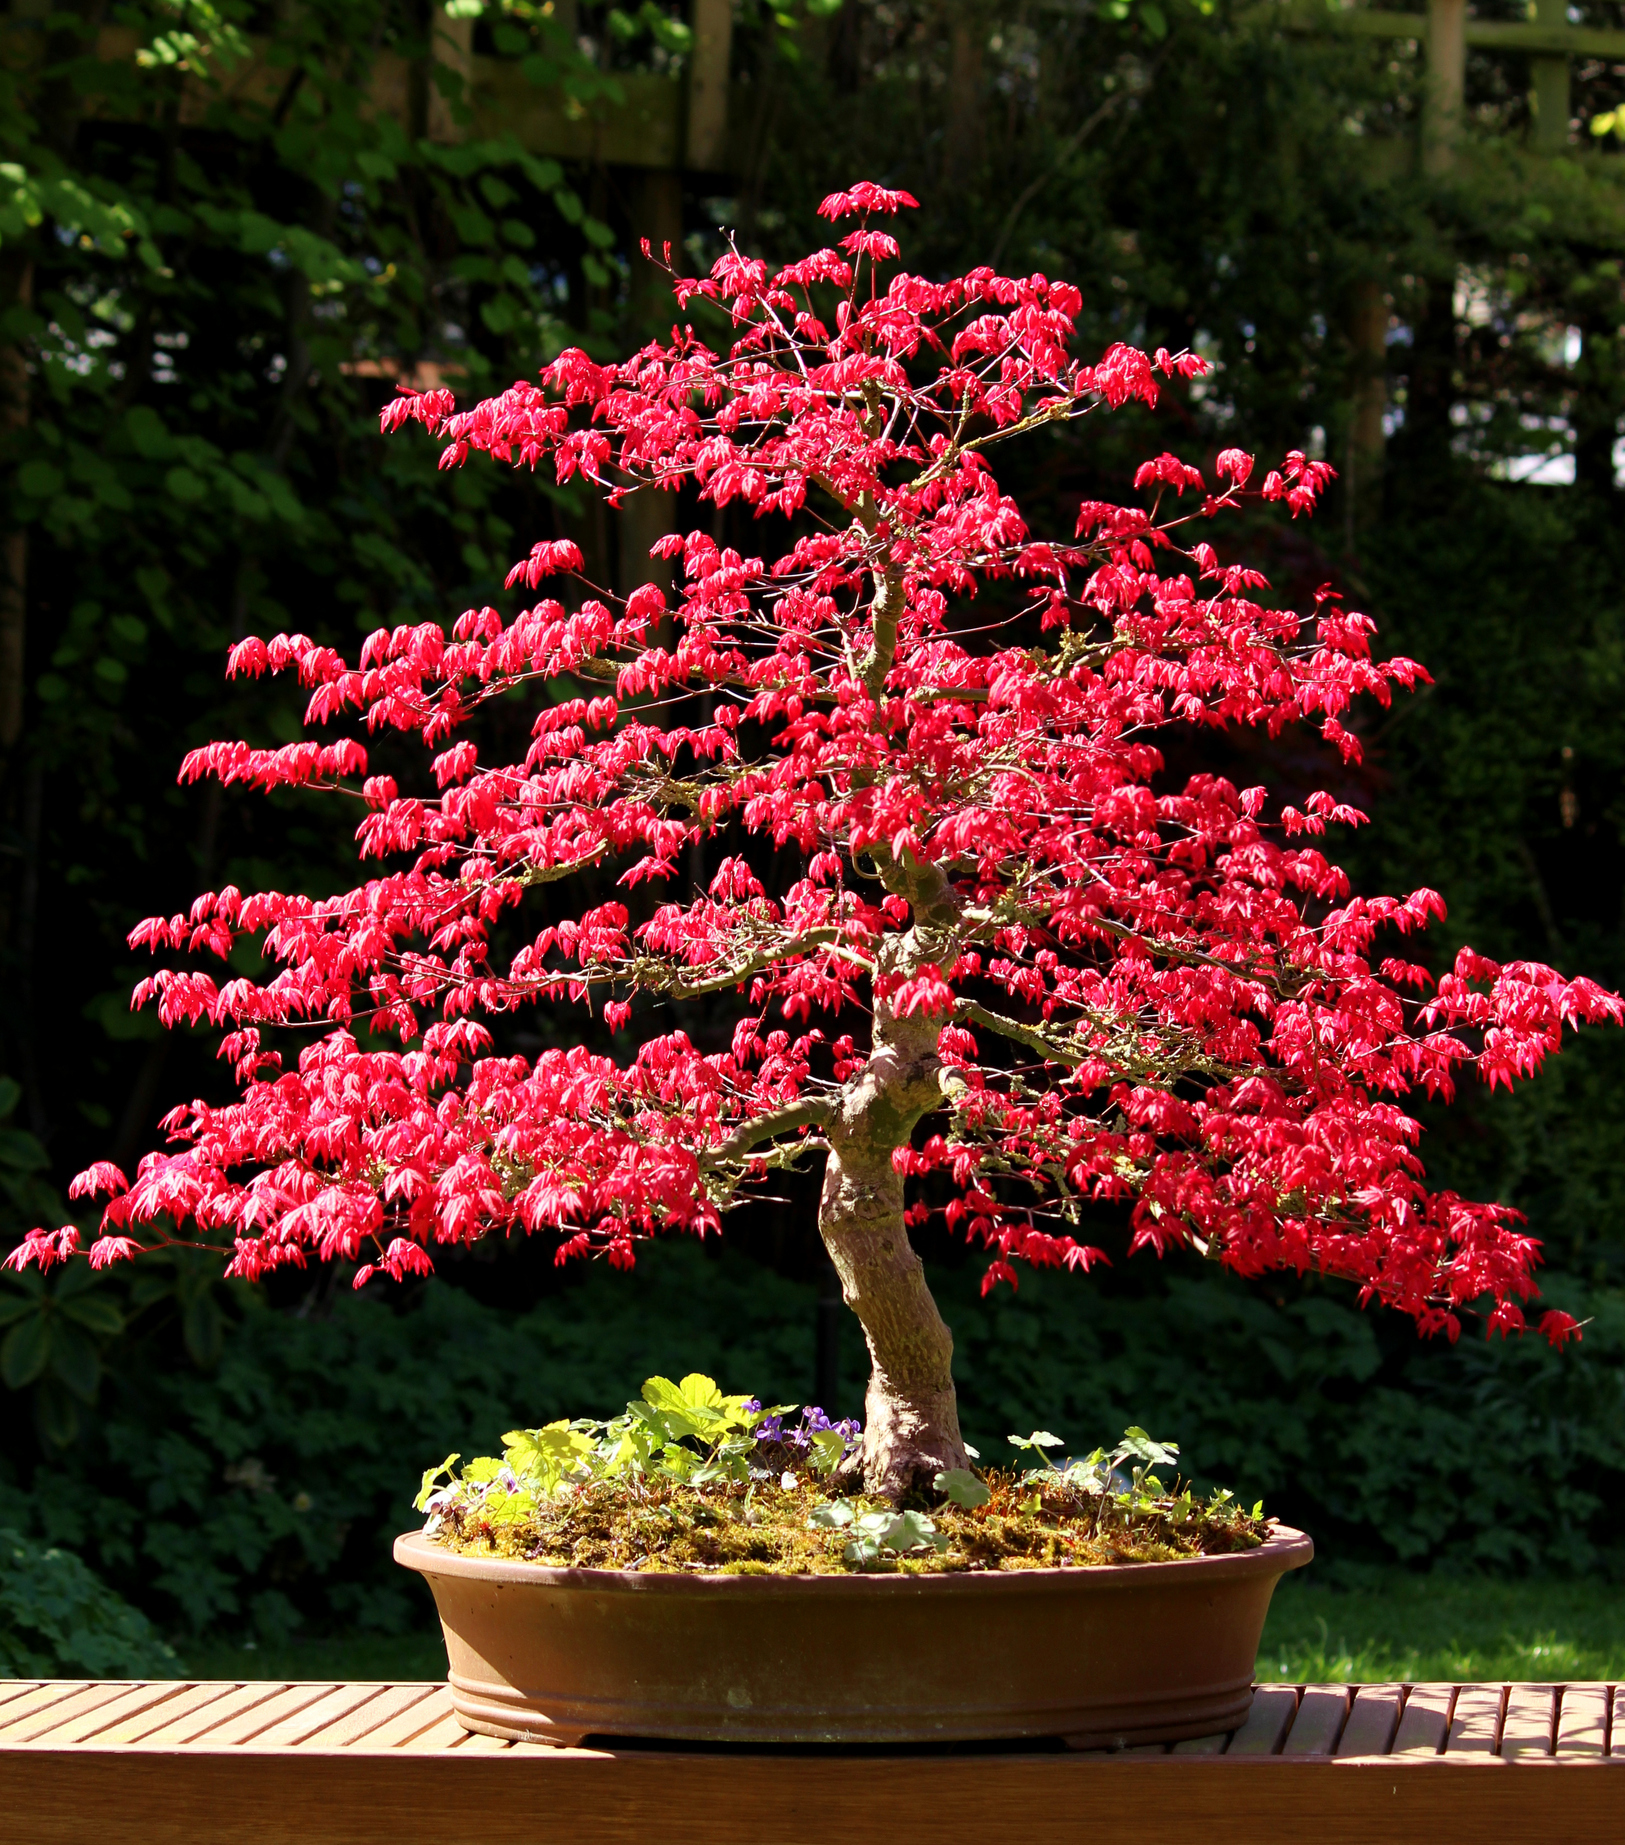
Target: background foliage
[(57, 1617), (205, 294)]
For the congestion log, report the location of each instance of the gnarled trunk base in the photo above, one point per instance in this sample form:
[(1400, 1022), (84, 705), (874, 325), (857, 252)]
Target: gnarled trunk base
[(911, 1416)]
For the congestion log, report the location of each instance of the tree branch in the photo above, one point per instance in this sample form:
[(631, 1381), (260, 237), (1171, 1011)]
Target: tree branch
[(813, 1111), (1190, 1062), (1030, 1035)]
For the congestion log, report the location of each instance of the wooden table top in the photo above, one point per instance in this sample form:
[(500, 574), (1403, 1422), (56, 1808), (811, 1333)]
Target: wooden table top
[(272, 1763), (1509, 1723)]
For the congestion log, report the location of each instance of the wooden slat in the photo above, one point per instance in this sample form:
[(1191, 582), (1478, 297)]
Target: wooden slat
[(1531, 1713), (1475, 1725), (46, 1717), (208, 1715), (187, 1698), (393, 1735), (1274, 1707), (1582, 1724), (1426, 1720), (1373, 1719), (248, 1724), (136, 1700), (358, 1728), (299, 1727), (1202, 1745), (1520, 1722), (37, 1698), (1322, 1712), (445, 1734), (1616, 1726), (476, 1743)]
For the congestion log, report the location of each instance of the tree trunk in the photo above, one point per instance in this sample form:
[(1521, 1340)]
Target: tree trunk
[(911, 1413), (963, 131), (1368, 341), (16, 291), (1599, 388)]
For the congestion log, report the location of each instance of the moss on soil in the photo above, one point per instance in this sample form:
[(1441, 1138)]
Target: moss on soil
[(762, 1529)]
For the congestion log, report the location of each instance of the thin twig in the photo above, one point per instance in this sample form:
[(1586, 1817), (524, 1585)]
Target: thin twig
[(1030, 191)]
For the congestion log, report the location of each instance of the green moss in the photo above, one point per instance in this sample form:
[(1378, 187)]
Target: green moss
[(763, 1529)]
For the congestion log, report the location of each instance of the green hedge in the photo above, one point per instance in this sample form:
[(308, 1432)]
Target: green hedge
[(57, 1619)]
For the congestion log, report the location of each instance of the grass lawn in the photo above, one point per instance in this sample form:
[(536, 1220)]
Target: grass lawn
[(1422, 1628), (1400, 1627), (352, 1657)]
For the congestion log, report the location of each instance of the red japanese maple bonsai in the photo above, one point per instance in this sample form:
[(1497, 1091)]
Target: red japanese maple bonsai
[(1016, 968)]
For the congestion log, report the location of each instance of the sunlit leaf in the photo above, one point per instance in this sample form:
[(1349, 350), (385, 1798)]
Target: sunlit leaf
[(962, 1486)]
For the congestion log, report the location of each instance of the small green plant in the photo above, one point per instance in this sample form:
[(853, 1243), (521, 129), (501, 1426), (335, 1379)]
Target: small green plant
[(1100, 1484), (1099, 1473), (874, 1534), (962, 1487), (685, 1434), (690, 1479)]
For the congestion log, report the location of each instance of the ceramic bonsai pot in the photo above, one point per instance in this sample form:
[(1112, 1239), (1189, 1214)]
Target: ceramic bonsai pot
[(1144, 1652)]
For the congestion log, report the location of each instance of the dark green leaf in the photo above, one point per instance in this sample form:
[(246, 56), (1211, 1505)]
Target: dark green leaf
[(76, 1279), (185, 485), (97, 1314), (21, 1151), (26, 1350), (39, 478), (56, 1415), (75, 1362), (203, 1327)]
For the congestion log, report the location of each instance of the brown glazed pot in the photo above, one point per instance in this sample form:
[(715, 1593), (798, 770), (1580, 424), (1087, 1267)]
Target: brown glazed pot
[(1121, 1654)]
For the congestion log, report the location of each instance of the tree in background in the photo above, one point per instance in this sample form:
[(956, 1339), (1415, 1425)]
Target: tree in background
[(217, 254)]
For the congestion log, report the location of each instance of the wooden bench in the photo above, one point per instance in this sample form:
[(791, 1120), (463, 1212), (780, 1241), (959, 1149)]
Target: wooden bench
[(180, 1763)]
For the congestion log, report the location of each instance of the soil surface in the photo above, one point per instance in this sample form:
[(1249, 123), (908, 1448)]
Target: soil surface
[(762, 1528)]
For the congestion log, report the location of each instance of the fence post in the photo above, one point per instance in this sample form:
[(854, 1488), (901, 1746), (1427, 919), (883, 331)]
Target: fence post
[(1447, 82), (708, 62), (1368, 340), (451, 42), (1550, 83)]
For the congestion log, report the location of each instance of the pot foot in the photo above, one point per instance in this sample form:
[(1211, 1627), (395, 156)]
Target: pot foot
[(547, 1738)]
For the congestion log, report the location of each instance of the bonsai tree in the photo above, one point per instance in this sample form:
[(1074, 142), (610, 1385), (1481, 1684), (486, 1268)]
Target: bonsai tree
[(1017, 970)]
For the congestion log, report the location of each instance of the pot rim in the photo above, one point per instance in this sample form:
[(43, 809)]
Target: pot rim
[(1286, 1548)]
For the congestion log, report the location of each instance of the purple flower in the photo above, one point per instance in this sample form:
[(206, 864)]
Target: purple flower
[(813, 1422)]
